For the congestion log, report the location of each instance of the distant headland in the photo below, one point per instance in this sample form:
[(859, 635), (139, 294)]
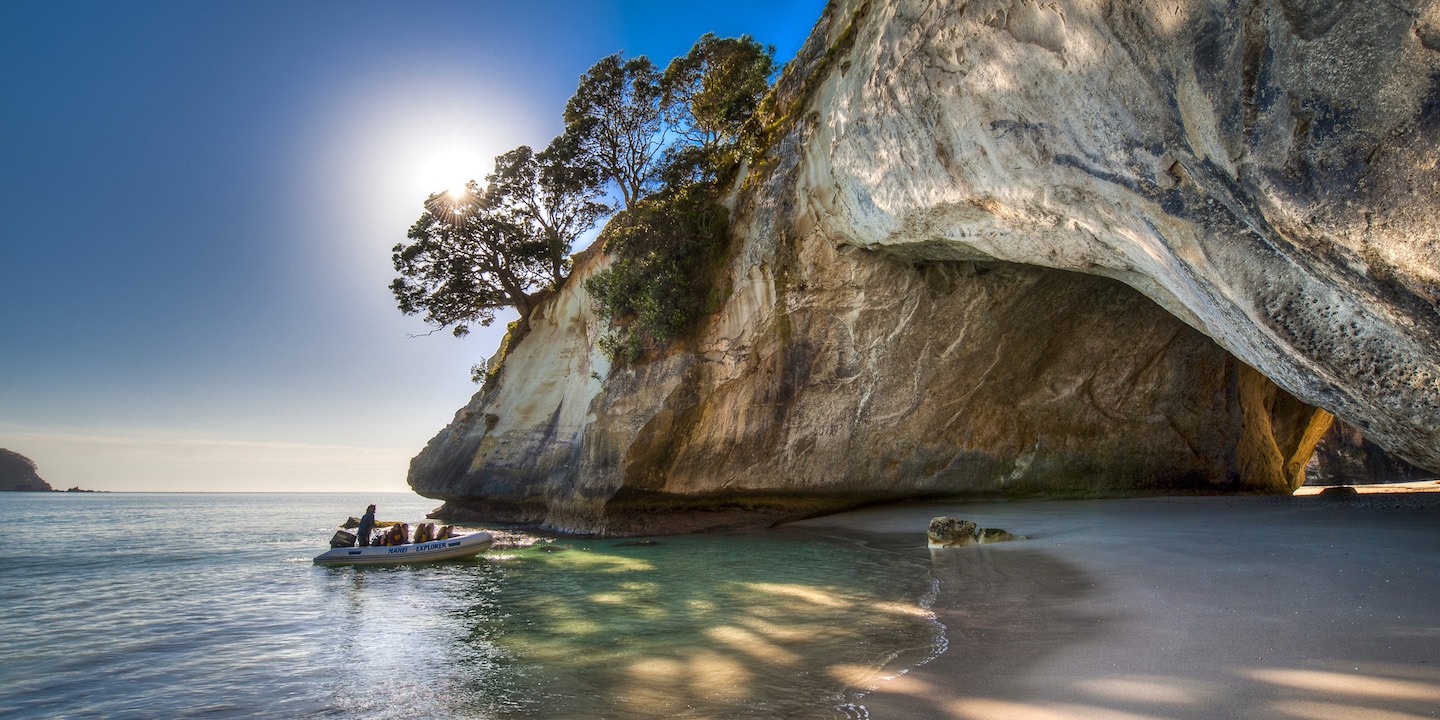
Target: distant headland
[(19, 474)]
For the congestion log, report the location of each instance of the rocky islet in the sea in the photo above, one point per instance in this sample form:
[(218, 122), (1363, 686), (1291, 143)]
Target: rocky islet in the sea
[(1013, 249)]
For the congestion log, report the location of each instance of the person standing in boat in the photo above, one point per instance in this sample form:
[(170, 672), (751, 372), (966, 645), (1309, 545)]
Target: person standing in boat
[(367, 523)]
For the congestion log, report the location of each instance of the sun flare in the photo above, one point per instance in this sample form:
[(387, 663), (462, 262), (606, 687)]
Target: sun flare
[(447, 169)]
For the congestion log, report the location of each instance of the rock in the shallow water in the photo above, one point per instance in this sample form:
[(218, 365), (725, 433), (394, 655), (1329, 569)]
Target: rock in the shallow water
[(954, 532), (1339, 491), (996, 535), (947, 531), (18, 473)]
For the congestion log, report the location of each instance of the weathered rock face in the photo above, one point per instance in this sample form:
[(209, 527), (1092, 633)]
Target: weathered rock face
[(850, 379), (901, 320), (1345, 457), (17, 473), (1266, 170)]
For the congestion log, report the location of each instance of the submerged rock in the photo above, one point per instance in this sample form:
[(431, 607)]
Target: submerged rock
[(995, 535)]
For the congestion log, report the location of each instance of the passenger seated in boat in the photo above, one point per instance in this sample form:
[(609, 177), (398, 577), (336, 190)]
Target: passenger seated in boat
[(445, 533)]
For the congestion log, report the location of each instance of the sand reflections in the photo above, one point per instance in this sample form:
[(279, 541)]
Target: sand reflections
[(1147, 689), (652, 686), (991, 709), (752, 644), (806, 593), (1311, 710), (1337, 683), (733, 626)]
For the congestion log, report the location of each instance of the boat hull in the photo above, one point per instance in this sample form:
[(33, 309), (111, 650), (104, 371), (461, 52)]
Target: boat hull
[(461, 546)]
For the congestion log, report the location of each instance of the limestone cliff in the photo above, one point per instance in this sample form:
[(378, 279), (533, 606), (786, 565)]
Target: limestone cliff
[(934, 284)]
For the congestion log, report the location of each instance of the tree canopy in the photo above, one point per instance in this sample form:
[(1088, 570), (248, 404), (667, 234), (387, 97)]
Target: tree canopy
[(663, 141), (465, 261), (487, 249), (616, 124), (711, 91), (547, 196)]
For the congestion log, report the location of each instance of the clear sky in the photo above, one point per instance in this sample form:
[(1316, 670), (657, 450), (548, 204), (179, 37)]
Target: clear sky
[(197, 206)]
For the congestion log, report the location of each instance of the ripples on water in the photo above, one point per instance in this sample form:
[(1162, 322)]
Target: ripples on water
[(139, 605)]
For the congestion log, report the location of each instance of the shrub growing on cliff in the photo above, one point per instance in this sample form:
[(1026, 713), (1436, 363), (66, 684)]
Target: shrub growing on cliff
[(667, 245), (665, 249)]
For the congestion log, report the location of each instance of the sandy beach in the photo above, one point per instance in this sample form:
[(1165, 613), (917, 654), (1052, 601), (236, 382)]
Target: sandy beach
[(1308, 607)]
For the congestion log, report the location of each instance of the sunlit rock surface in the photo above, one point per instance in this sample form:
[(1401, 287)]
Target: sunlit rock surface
[(929, 290), (1266, 171)]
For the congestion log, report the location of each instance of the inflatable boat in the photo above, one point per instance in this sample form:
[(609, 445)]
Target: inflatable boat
[(460, 546)]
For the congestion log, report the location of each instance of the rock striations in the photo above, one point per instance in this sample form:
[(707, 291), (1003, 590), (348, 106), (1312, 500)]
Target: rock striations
[(1004, 247)]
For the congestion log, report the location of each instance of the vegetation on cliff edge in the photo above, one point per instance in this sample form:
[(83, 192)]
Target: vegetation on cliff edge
[(666, 143)]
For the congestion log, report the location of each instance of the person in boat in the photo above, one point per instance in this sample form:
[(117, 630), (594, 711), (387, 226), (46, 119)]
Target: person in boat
[(367, 523)]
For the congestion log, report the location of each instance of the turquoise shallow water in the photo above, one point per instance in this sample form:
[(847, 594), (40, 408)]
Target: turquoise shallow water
[(155, 605)]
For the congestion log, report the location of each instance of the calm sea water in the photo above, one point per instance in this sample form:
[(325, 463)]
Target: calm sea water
[(208, 605)]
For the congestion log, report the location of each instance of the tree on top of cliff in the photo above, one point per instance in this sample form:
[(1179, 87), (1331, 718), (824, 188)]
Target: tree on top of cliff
[(666, 244), (466, 260), (478, 251), (710, 93), (616, 123), (548, 196)]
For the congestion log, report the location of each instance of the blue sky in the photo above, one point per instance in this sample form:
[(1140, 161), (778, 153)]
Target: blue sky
[(197, 204)]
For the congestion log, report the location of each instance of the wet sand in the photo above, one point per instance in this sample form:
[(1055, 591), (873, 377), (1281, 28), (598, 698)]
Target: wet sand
[(1226, 607)]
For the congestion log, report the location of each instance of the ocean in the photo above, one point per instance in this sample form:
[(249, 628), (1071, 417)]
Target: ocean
[(140, 605)]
